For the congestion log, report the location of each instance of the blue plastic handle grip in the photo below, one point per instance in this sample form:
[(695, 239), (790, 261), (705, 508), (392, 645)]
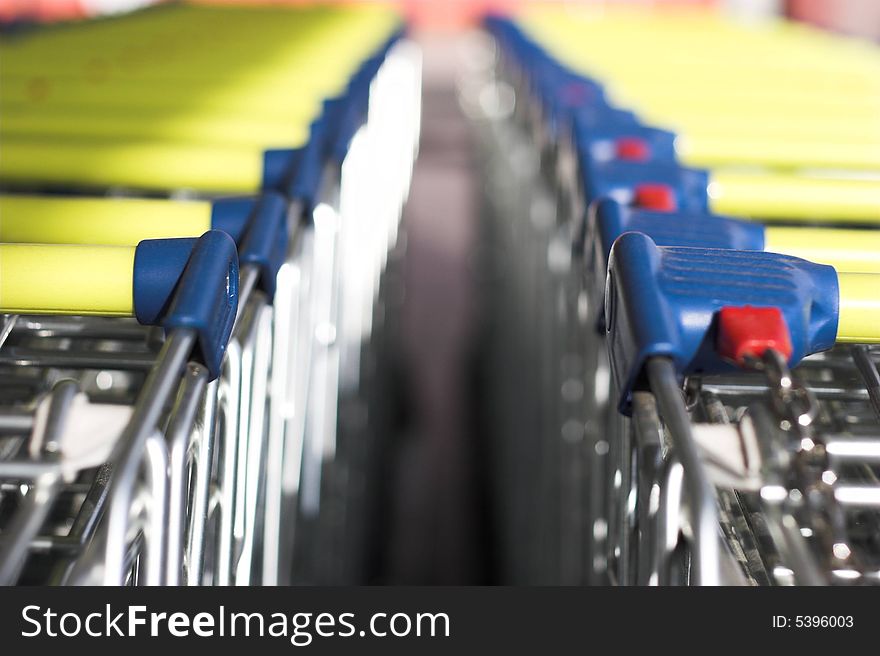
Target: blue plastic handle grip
[(331, 133), (279, 165), (562, 94), (231, 215), (357, 101), (682, 289), (259, 227), (354, 103), (158, 266), (597, 143), (619, 180), (577, 100), (306, 182), (587, 120), (206, 297), (189, 283), (609, 219), (264, 243)]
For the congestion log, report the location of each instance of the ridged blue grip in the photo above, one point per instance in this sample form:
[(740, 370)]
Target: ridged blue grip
[(663, 301), (609, 219)]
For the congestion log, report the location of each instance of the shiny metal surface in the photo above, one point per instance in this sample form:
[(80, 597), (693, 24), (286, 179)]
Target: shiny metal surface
[(654, 508)]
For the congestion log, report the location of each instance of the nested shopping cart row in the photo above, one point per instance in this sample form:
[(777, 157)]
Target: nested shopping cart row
[(701, 232), (173, 358)]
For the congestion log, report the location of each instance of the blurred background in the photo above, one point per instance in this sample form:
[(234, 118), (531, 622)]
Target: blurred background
[(438, 509), (850, 16)]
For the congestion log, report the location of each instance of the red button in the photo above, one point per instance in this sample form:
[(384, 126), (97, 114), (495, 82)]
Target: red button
[(632, 149), (656, 197), (748, 332)]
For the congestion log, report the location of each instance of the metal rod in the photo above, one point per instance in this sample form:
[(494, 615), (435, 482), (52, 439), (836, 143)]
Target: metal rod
[(13, 420), (155, 465), (25, 524), (230, 386), (8, 323), (853, 449), (700, 495), (129, 450), (35, 506), (858, 496), (202, 486), (179, 434), (868, 370), (65, 360)]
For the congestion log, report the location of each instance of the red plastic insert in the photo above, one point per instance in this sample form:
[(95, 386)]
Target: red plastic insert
[(632, 149), (657, 197), (750, 331)]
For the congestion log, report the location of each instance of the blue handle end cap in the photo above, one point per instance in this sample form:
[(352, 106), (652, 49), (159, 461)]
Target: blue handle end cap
[(231, 215), (609, 219), (264, 244), (610, 142), (279, 165), (304, 185), (206, 299), (158, 265), (189, 283), (683, 289), (619, 180)]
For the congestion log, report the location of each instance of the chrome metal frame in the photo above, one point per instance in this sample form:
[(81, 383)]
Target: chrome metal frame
[(639, 501), (217, 482)]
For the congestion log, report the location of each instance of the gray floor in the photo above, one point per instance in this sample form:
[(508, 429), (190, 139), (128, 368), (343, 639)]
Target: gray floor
[(436, 528)]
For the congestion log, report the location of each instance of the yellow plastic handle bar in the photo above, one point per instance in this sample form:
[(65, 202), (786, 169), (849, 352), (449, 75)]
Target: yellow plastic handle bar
[(852, 251), (777, 95), (179, 24), (141, 165), (776, 126), (99, 221), (195, 40), (228, 75), (260, 47), (742, 150), (673, 100), (183, 126), (784, 197), (859, 315), (280, 101), (619, 36), (66, 279), (228, 83)]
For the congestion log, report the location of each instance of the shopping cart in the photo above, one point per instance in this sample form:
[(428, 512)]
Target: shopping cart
[(354, 201), (235, 445), (634, 532), (100, 460)]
